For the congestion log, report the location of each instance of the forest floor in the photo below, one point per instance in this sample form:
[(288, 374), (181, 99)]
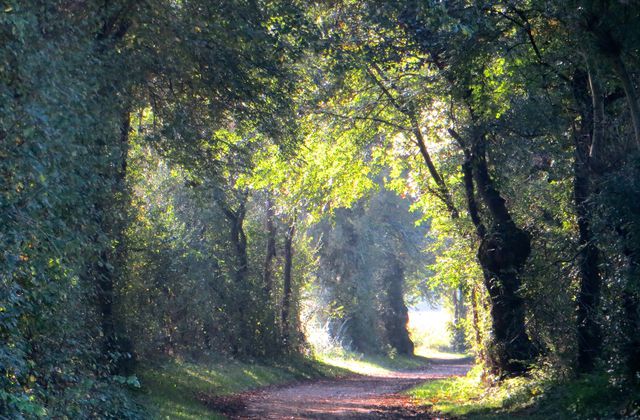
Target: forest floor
[(378, 394), (354, 386)]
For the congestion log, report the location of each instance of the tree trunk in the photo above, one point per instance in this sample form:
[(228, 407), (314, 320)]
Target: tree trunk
[(241, 341), (502, 254), (239, 242), (458, 333), (504, 247), (443, 192), (587, 140), (267, 272), (589, 293), (112, 258), (268, 328), (396, 316), (454, 302), (288, 284)]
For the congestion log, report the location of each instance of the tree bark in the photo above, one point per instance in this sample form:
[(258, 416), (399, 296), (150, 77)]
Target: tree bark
[(469, 189), (396, 316), (241, 341), (408, 110), (587, 139), (588, 297), (112, 257), (238, 239), (288, 284), (458, 333), (503, 252), (268, 327), (267, 272)]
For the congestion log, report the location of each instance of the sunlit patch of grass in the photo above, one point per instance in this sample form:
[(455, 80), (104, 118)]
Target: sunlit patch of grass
[(456, 396), (470, 398), (430, 353), (429, 329), (179, 389), (371, 364), (538, 396)]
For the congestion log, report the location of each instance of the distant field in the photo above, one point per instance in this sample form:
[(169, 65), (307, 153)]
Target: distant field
[(428, 328)]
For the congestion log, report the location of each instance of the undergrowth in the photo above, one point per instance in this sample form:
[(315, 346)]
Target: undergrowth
[(180, 389), (539, 396)]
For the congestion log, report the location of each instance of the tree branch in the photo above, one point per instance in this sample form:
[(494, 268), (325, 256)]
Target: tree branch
[(360, 118)]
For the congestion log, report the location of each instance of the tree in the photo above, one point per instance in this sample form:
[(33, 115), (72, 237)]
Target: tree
[(368, 253)]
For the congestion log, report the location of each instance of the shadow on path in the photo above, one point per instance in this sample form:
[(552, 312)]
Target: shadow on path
[(352, 397)]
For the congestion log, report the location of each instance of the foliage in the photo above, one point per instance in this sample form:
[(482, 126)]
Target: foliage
[(541, 396), (176, 176), (72, 77), (370, 256), (53, 135), (182, 389)]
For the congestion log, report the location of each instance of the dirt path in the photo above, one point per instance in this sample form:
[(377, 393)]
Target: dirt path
[(355, 397)]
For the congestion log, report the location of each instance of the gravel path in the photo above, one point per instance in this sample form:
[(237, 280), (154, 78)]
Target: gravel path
[(353, 397)]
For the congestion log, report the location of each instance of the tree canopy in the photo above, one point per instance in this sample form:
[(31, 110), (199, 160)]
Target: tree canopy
[(181, 178)]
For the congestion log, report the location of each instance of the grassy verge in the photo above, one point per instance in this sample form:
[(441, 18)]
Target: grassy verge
[(537, 397), (179, 389), (442, 354), (371, 364)]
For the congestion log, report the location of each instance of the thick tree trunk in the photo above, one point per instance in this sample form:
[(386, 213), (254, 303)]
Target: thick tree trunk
[(502, 253), (504, 247), (112, 259), (589, 293), (396, 316), (241, 341), (587, 142), (239, 243), (268, 328), (287, 297)]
